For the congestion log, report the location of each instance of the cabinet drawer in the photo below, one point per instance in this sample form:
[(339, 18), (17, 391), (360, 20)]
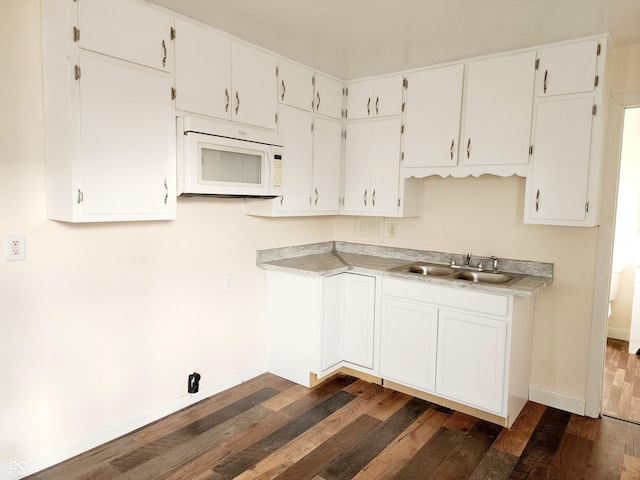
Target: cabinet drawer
[(479, 302)]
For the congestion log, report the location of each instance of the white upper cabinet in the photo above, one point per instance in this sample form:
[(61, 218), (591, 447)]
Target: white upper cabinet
[(569, 68), (498, 106), (203, 71), (109, 124), (128, 30), (327, 164), (218, 77), (328, 97), (560, 173), (377, 97), (253, 77), (432, 124), (295, 85), (372, 167)]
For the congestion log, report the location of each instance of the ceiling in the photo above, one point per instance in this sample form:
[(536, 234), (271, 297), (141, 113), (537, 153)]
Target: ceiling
[(359, 38)]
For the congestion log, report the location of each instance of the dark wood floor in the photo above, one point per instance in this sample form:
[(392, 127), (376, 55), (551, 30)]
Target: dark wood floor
[(269, 428), (621, 390)]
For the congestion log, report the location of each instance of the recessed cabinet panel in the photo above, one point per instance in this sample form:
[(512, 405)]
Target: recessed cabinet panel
[(499, 104), (328, 96), (358, 318), (385, 166), (432, 126), (203, 71), (471, 360), (357, 177), (295, 85), (567, 68), (408, 343), (128, 30), (127, 137), (562, 148)]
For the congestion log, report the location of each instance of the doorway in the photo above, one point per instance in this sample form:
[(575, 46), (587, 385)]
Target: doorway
[(621, 381)]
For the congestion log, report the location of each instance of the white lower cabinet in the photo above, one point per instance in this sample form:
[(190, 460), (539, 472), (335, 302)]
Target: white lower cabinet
[(408, 341), (466, 349), (472, 359), (315, 325), (462, 347)]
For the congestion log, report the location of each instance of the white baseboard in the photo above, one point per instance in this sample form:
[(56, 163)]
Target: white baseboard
[(557, 400), (618, 334), (27, 466)]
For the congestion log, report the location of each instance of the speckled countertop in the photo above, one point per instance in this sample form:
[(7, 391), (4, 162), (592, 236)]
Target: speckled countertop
[(330, 258)]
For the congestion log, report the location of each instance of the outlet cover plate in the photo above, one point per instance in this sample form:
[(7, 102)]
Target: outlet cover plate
[(16, 247)]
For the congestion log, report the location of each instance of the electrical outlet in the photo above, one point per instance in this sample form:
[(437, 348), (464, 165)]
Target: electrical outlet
[(228, 282), (16, 248)]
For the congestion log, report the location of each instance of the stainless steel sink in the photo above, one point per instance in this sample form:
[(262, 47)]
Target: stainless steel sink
[(445, 272), (425, 269), (484, 277)]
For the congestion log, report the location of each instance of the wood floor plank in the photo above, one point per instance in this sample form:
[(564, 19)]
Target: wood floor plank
[(389, 462), (537, 456), (352, 461), (199, 466), (469, 452), (605, 461), (496, 464), (312, 464), (287, 397), (572, 457), (585, 427), (633, 440), (514, 440), (390, 405), (249, 457), (630, 468)]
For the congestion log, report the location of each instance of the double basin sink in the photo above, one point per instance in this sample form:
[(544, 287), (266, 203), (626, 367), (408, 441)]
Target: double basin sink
[(460, 273)]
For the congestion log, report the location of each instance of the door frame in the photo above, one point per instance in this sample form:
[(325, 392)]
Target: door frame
[(604, 255)]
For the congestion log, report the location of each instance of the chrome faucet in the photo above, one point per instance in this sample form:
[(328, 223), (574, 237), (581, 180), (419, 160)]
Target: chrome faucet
[(467, 259), (495, 264)]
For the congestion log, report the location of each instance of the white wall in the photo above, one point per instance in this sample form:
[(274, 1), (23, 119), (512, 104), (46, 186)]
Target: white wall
[(104, 322)]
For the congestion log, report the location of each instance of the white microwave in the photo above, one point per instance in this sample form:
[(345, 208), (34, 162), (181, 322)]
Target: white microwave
[(222, 159)]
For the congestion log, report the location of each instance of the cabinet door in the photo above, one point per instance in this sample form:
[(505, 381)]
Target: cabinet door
[(560, 173), (357, 175), (297, 166), (203, 71), (499, 99), (295, 85), (567, 68), (432, 126), (127, 139), (385, 165), (332, 343), (327, 163), (328, 96), (387, 96), (253, 76), (408, 333), (127, 30), (471, 360), (375, 97), (359, 98), (358, 319)]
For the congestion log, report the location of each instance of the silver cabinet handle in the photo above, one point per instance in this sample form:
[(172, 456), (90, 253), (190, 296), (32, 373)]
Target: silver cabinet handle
[(469, 148), (315, 202), (377, 101), (537, 200), (365, 197), (226, 93), (451, 149), (164, 58), (284, 89), (544, 86), (318, 97), (369, 106), (166, 192), (238, 102), (373, 198)]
